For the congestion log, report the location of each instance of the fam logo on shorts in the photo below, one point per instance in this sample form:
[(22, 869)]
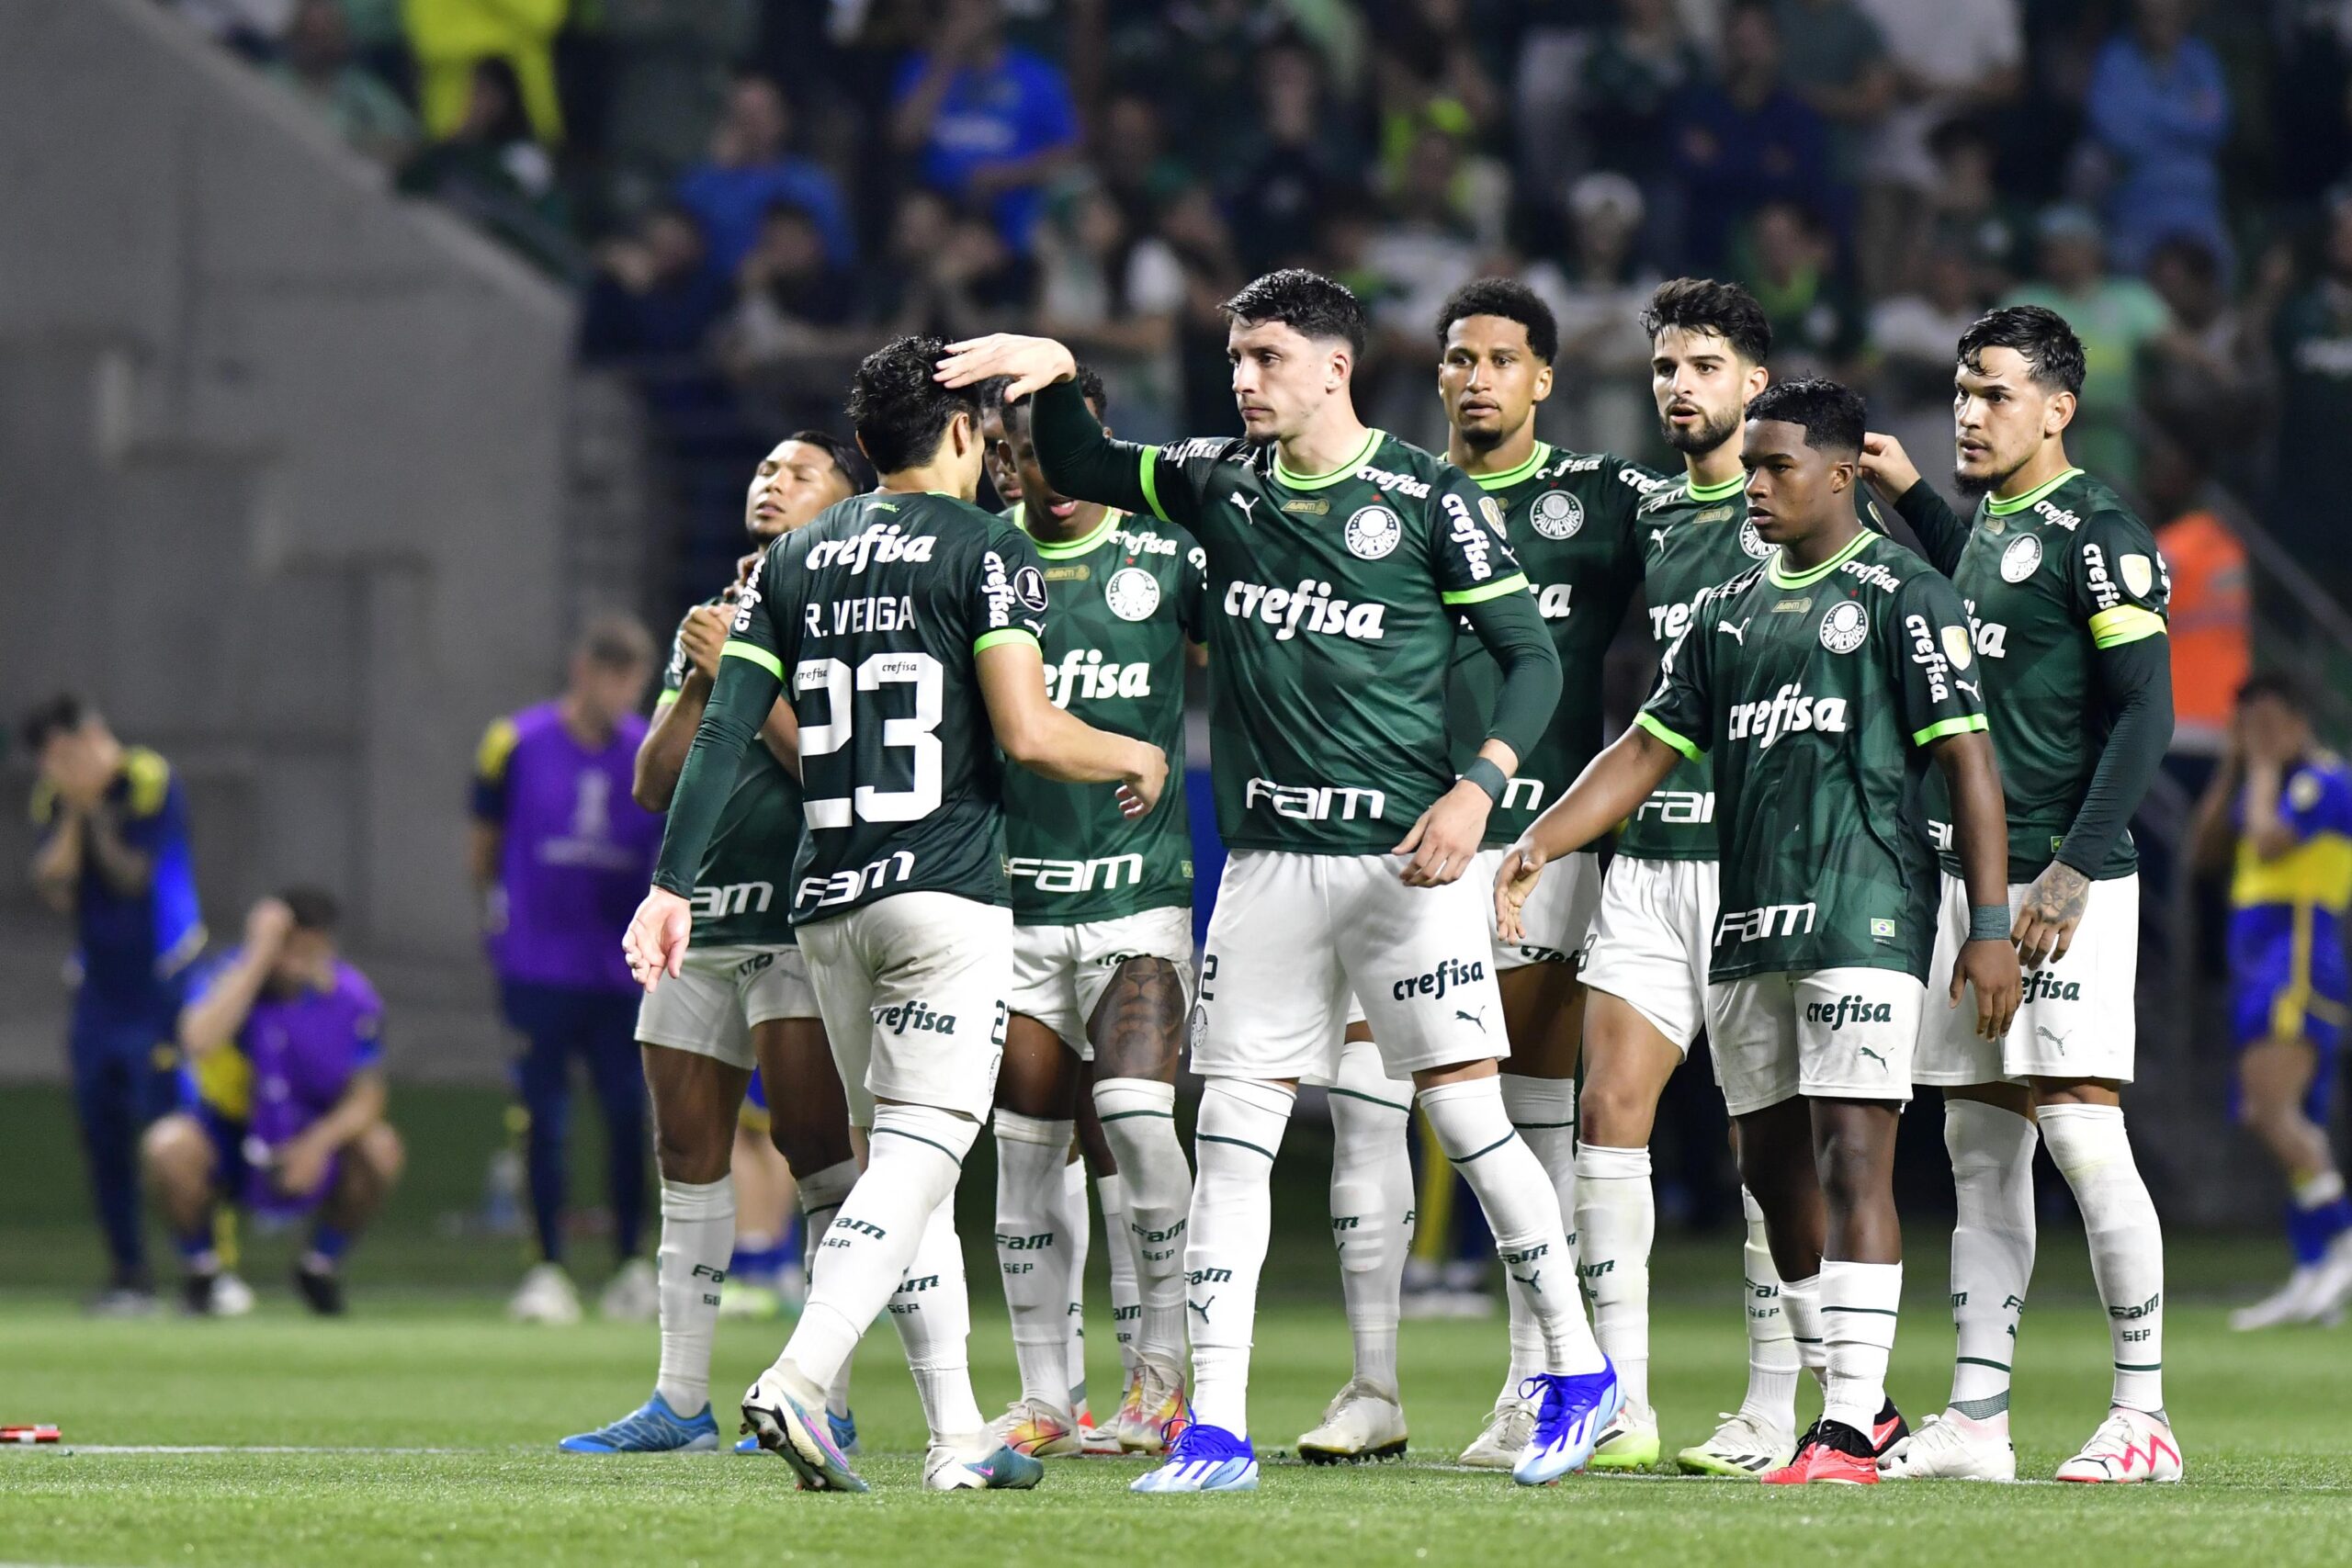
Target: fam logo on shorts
[(1845, 628), (1373, 532), (1556, 515), (1751, 541), (1133, 594), (2021, 559)]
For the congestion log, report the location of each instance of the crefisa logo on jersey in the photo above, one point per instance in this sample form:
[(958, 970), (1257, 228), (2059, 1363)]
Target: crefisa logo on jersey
[(2021, 559), (1373, 532), (1556, 515), (1845, 628), (1133, 594)]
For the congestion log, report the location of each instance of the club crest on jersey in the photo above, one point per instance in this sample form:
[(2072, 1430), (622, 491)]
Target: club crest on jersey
[(2021, 559), (1845, 628), (1133, 594), (1373, 532), (1556, 515), (1749, 539), (1956, 649)]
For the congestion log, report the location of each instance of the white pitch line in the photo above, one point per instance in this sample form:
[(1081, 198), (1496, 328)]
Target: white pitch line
[(240, 1449)]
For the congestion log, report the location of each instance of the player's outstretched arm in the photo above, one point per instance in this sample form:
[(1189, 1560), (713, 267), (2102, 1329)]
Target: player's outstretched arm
[(1080, 459), (2211, 835), (1048, 741), (1895, 481), (1029, 363), (1988, 961), (1611, 788), (212, 1020)]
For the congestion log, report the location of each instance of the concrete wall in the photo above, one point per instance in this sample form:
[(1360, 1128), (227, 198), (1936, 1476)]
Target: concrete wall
[(280, 477)]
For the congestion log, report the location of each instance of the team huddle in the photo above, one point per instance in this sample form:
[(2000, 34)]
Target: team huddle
[(922, 870)]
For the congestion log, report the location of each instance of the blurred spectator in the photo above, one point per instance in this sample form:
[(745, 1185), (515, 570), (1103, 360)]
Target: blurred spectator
[(2312, 511), (1639, 69), (1603, 382), (2311, 100), (2211, 613), (318, 67), (1204, 245), (751, 168), (1834, 57), (1131, 161), (1429, 74), (1423, 249), (252, 28), (449, 37), (2205, 378), (1967, 211), (988, 122), (1788, 261), (1113, 296), (2158, 109), (790, 305), (952, 276), (491, 170), (1290, 171), (1744, 140), (654, 294), (1952, 59), (1916, 334), (2115, 317)]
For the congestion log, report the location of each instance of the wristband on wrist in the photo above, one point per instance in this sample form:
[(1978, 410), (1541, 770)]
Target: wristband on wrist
[(1988, 923), (1488, 776)]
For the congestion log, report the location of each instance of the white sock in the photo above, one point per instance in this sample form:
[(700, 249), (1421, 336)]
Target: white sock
[(1522, 1212), (697, 1235), (2093, 1152), (1138, 1119), (1772, 1363), (1992, 1250), (917, 1153), (1032, 1250), (1617, 1219), (1801, 1305), (820, 1199), (1544, 1111), (934, 1318), (1859, 1302), (1126, 1302), (1240, 1132), (1078, 1226), (1372, 1203)]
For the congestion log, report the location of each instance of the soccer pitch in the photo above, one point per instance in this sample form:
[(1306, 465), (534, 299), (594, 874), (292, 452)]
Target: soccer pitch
[(421, 1431)]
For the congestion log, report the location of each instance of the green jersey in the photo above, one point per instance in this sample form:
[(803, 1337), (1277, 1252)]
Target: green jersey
[(873, 616), (752, 849), (1571, 519), (1331, 603), (1129, 598), (1693, 539), (1818, 694), (2051, 577)]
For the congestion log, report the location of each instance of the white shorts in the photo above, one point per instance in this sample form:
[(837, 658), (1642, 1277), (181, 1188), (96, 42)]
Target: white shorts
[(2079, 1019), (712, 1005), (1059, 973), (1826, 1034), (1295, 934), (912, 988), (1650, 941)]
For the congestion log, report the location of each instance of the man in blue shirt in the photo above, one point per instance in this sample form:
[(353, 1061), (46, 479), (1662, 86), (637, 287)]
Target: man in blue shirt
[(114, 855), (751, 169), (989, 122)]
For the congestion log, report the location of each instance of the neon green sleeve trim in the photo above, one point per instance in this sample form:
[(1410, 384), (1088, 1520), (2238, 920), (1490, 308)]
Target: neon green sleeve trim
[(2125, 623), (1943, 726), (1515, 583), (665, 700), (1007, 634), (1688, 750), (756, 654), (1149, 477)]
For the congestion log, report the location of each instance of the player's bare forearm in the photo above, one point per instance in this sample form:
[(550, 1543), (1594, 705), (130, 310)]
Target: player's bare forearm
[(57, 864), (213, 1018), (2210, 837), (1611, 788), (126, 870), (1049, 741), (1979, 818), (2265, 831), (360, 1107), (662, 753)]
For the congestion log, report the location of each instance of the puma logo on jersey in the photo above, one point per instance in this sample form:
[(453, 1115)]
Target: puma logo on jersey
[(2043, 1031), (1478, 1018), (1082, 675), (1787, 712), (1309, 607), (1866, 1051), (1246, 502), (1657, 538), (1739, 630)]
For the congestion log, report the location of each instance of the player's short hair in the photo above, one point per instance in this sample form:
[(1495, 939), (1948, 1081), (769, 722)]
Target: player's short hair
[(2276, 684), (1090, 387), (313, 908), (1510, 300), (847, 460), (53, 716), (1308, 303), (2040, 336), (615, 640), (900, 408), (1831, 415), (1705, 305)]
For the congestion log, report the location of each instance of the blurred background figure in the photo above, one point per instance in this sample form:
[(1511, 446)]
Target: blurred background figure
[(560, 854), (114, 857), (2282, 806), (282, 1105)]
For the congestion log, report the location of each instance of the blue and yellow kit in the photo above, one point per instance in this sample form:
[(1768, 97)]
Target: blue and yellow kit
[(2288, 968)]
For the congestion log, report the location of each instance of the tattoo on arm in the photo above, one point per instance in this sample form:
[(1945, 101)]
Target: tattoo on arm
[(1138, 1026), (2059, 894)]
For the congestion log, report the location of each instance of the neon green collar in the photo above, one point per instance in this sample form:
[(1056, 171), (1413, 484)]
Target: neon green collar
[(1700, 492), (1853, 547), (1371, 439), (1079, 546), (2020, 503), (1517, 472)]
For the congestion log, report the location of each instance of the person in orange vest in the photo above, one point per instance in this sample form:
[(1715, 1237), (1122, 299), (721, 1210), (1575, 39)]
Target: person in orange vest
[(2213, 599)]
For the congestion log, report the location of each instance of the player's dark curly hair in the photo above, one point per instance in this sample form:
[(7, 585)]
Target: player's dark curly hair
[(848, 461), (1090, 387), (1510, 300), (1704, 305), (1831, 414), (2040, 336), (900, 409), (1308, 303)]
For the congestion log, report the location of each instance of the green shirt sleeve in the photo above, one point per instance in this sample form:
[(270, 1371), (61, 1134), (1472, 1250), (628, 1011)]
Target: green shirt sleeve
[(2122, 590), (1942, 534), (1083, 462), (751, 671), (1681, 711), (1509, 627), (1941, 690)]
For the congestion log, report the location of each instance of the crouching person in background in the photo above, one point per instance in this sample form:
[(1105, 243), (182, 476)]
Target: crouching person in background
[(283, 1108)]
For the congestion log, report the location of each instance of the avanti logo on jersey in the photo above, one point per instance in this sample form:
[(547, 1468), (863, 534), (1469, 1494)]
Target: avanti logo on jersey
[(1787, 712), (917, 1016), (1771, 920), (1451, 974), (1308, 607), (874, 544), (1849, 1010), (1474, 538), (1083, 675), (1316, 802)]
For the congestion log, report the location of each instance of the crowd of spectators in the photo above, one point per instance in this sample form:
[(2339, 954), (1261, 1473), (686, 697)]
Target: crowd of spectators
[(749, 193)]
